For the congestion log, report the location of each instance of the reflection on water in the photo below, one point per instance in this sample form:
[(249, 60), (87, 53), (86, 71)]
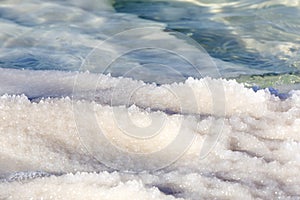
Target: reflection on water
[(258, 35), (244, 37)]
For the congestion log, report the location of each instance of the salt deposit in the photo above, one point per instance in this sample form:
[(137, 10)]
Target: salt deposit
[(255, 154)]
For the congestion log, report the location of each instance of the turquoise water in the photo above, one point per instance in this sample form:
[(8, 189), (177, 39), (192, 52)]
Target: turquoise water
[(244, 38), (224, 28), (262, 36)]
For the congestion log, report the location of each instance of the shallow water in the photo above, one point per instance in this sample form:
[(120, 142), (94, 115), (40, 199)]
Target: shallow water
[(128, 99), (243, 37)]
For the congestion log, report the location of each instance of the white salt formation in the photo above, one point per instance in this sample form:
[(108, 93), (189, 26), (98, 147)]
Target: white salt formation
[(74, 135), (46, 151)]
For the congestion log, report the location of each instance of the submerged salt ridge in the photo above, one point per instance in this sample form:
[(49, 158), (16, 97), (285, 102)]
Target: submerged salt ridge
[(256, 155), (204, 96)]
